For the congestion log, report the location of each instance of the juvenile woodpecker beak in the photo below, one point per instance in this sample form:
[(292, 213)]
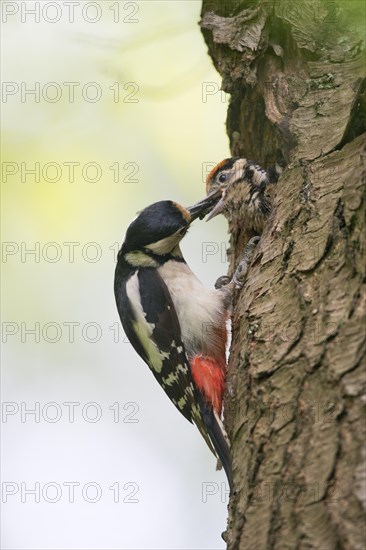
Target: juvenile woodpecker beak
[(204, 206), (217, 209)]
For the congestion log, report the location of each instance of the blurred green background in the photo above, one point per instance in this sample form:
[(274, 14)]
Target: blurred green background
[(125, 111)]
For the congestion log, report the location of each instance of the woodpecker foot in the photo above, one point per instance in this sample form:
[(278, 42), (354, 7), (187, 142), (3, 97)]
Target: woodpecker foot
[(242, 269), (222, 281)]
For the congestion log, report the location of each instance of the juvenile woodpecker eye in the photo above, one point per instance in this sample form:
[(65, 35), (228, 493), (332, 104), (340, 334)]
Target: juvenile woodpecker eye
[(222, 178)]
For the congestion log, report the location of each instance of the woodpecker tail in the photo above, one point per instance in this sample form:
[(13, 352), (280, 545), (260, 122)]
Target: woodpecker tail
[(218, 440), (209, 378)]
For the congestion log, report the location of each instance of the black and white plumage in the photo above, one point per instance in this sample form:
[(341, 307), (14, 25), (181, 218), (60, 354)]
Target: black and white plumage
[(175, 324)]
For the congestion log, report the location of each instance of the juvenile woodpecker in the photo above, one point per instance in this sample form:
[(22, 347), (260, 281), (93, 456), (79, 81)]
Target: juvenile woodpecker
[(247, 191), (175, 323)]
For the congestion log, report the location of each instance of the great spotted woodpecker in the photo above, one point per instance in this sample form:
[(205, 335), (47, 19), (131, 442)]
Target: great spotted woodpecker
[(175, 323), (247, 191)]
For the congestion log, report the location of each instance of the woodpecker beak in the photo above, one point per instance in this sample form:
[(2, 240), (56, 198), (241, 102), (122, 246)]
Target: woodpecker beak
[(204, 206), (217, 209)]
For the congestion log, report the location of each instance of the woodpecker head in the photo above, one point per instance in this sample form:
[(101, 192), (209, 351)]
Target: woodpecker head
[(242, 184), (225, 173), (159, 228)]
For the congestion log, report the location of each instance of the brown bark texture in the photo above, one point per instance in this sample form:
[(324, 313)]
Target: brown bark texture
[(296, 382)]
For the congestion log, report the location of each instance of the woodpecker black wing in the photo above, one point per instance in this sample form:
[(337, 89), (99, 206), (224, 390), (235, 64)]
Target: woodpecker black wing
[(151, 324)]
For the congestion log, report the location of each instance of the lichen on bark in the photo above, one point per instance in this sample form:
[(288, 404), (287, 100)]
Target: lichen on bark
[(296, 383)]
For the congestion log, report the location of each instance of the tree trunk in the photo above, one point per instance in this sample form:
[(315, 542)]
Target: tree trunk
[(294, 405)]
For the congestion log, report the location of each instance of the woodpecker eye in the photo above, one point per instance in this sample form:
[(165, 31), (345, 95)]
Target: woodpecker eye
[(222, 178)]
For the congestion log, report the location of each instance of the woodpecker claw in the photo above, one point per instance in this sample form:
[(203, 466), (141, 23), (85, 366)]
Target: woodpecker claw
[(242, 269), (222, 281)]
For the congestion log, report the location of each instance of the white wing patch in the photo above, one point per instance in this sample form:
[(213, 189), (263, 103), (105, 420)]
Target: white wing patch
[(142, 328)]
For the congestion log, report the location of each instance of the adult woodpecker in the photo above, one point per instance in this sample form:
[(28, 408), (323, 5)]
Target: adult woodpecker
[(247, 191), (175, 323)]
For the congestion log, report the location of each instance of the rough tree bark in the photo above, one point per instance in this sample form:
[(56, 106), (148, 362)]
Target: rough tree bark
[(294, 405)]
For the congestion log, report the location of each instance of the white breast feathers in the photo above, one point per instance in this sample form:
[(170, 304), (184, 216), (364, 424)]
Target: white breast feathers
[(200, 310)]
